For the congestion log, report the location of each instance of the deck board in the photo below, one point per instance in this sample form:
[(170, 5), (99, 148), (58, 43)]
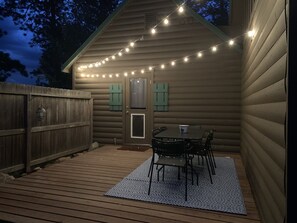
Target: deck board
[(73, 191)]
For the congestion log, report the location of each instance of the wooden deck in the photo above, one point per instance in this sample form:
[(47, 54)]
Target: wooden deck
[(72, 191)]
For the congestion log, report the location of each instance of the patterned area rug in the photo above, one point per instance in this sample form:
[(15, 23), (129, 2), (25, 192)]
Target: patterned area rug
[(223, 195)]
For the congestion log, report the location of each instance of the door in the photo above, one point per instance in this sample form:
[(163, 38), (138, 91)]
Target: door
[(138, 110)]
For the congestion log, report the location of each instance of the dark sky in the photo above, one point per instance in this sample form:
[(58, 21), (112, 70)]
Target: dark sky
[(17, 45)]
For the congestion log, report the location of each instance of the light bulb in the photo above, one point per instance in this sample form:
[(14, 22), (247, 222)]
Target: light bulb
[(142, 71), (153, 31), (186, 59), (163, 66), (120, 54), (113, 57), (199, 54), (132, 44), (181, 9), (125, 74), (251, 33), (231, 42), (150, 68), (166, 21), (214, 49), (127, 49), (172, 63)]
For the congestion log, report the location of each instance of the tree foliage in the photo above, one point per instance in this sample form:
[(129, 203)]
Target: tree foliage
[(217, 12), (59, 27), (8, 66)]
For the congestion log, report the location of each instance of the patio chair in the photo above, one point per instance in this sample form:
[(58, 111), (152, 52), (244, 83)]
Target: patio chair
[(211, 133), (155, 131), (197, 147), (169, 153)]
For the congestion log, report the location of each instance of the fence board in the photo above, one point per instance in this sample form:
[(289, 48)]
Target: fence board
[(26, 139)]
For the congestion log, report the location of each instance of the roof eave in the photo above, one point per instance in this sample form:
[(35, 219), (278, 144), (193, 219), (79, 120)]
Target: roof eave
[(66, 67)]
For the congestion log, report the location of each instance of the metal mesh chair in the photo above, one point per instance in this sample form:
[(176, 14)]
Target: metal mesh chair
[(197, 147), (170, 153)]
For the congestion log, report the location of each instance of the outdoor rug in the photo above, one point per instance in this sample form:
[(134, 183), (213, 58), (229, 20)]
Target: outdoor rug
[(223, 195)]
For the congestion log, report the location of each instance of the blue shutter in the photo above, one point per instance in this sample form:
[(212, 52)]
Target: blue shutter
[(161, 97), (116, 97)]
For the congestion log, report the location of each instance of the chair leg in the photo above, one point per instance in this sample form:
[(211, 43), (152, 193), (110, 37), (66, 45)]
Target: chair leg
[(186, 184), (150, 169), (211, 163), (208, 168), (213, 159), (151, 176)]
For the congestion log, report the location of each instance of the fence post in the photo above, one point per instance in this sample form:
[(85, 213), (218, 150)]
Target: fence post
[(28, 135)]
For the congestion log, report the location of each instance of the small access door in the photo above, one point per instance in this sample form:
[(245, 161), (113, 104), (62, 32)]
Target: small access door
[(138, 110)]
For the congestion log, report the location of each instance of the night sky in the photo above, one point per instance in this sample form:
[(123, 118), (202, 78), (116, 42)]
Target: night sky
[(17, 45)]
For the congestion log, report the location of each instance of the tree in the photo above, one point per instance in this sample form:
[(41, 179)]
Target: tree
[(8, 66), (59, 27), (216, 12)]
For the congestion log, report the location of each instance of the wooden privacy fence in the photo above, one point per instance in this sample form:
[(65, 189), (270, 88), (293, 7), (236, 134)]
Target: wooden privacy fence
[(39, 124)]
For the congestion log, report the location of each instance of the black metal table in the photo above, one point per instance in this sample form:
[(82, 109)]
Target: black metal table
[(194, 132)]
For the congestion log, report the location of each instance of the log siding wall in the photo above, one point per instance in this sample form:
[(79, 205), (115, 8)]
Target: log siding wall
[(203, 92), (264, 107)]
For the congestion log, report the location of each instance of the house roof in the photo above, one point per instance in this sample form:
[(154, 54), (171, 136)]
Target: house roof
[(66, 67)]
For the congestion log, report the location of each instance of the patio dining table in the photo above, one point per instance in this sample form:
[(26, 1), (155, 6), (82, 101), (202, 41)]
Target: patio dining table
[(194, 132)]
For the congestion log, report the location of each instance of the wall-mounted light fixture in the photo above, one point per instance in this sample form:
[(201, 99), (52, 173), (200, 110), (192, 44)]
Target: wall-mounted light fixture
[(40, 113)]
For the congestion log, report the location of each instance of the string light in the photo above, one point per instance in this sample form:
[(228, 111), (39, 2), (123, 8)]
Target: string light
[(181, 9), (131, 44), (166, 21), (153, 31), (251, 33), (199, 54), (214, 49)]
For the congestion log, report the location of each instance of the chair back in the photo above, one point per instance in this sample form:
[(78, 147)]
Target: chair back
[(155, 132), (168, 148), (209, 138)]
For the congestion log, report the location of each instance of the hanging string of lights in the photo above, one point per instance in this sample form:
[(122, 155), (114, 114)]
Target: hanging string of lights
[(199, 54), (132, 44)]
